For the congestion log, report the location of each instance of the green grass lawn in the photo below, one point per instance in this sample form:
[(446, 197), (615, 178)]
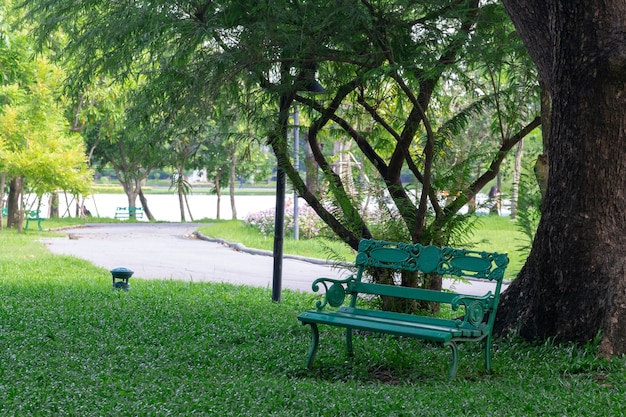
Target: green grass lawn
[(73, 346), (500, 234), (236, 231)]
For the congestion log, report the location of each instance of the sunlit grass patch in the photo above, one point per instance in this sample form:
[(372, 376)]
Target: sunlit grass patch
[(493, 234), (320, 248)]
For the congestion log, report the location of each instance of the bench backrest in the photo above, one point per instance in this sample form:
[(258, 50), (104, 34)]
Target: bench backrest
[(33, 214), (430, 259), (444, 261)]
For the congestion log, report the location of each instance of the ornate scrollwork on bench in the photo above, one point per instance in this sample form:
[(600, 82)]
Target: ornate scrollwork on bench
[(475, 308), (335, 294)]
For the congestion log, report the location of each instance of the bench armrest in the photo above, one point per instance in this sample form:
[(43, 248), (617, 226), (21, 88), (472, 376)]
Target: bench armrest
[(475, 308), (335, 294)]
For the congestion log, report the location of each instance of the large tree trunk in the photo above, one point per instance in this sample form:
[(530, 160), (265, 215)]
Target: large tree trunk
[(574, 282)]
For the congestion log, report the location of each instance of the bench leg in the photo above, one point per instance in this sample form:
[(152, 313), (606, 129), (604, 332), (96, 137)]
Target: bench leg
[(39, 225), (26, 225), (488, 353), (455, 359), (349, 341), (315, 340)]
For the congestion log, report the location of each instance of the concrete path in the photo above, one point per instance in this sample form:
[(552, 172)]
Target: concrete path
[(172, 251)]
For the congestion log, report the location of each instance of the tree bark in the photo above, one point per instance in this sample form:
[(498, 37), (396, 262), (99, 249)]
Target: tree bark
[(3, 177), (573, 284), (144, 204), (312, 182), (232, 179), (188, 208), (16, 189), (541, 165), (517, 174), (54, 205), (132, 192), (218, 190), (181, 205)]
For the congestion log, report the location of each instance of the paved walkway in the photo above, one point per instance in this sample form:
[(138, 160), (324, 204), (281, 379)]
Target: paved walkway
[(172, 251)]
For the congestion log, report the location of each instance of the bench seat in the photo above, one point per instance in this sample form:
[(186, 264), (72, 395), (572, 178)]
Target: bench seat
[(389, 324), (413, 325)]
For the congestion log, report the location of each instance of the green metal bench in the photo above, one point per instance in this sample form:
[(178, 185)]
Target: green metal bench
[(124, 213), (477, 313), (34, 215)]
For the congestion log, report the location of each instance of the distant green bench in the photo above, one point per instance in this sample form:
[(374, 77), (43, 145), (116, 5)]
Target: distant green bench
[(478, 312), (125, 213), (5, 211), (33, 215)]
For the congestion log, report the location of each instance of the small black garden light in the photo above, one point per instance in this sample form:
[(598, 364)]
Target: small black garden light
[(122, 275)]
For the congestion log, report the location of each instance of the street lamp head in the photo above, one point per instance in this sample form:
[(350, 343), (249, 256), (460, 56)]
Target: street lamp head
[(309, 83), (314, 87)]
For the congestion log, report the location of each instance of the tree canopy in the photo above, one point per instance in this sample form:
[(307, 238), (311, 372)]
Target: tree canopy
[(393, 77)]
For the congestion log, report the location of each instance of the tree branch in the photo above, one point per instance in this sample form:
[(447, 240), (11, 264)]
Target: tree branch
[(492, 170)]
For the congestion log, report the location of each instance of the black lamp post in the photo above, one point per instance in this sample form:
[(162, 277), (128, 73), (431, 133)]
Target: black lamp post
[(296, 164), (311, 86)]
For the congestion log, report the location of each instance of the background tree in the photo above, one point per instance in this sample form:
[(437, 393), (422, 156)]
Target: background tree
[(573, 286), (183, 149), (37, 150), (133, 153), (396, 87), (189, 135), (14, 50)]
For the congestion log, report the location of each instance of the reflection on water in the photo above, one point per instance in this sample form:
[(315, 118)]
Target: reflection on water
[(165, 207)]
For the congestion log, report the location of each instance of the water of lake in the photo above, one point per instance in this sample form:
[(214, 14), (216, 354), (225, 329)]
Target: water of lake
[(165, 207)]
